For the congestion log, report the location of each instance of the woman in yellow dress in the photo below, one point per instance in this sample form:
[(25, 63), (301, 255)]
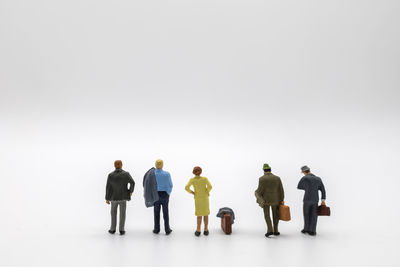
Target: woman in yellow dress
[(202, 188)]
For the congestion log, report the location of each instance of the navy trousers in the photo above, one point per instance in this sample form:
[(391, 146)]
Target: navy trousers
[(310, 213), (162, 202)]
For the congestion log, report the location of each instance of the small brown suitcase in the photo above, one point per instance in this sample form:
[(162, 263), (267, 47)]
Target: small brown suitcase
[(226, 224), (324, 210), (284, 213)]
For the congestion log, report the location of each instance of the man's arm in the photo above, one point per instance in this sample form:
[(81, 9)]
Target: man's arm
[(301, 184), (131, 183), (259, 195), (108, 190), (170, 182), (323, 193), (281, 191)]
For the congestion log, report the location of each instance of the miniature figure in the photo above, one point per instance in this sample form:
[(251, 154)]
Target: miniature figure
[(117, 192), (202, 188), (164, 189), (270, 194), (311, 184)]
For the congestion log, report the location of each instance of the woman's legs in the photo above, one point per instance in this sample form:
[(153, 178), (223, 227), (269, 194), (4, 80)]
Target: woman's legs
[(205, 223), (198, 229)]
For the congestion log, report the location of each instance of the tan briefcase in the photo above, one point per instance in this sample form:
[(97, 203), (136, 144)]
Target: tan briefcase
[(284, 212)]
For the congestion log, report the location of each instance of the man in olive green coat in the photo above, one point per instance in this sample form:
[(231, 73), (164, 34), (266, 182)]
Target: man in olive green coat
[(270, 195)]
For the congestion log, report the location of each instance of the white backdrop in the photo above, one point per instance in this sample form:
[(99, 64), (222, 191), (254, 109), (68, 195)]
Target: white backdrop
[(226, 85)]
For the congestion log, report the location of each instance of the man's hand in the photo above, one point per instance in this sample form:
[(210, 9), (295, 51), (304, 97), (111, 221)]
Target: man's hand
[(282, 202), (193, 193), (131, 194), (108, 201), (323, 203)]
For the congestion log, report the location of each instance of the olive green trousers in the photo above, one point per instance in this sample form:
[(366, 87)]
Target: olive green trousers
[(275, 216)]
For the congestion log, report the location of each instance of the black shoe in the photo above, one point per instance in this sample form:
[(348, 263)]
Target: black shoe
[(168, 232), (156, 231), (206, 232), (111, 232), (277, 233), (197, 233), (304, 231), (268, 234), (312, 233), (121, 232)]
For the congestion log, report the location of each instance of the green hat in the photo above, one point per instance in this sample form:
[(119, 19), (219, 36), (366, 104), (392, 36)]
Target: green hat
[(266, 166)]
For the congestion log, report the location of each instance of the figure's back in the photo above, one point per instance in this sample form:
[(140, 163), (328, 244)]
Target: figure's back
[(200, 186), (270, 186), (118, 181), (311, 185)]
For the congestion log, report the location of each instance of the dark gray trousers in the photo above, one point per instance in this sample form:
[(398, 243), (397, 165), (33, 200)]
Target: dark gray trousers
[(122, 215), (310, 213)]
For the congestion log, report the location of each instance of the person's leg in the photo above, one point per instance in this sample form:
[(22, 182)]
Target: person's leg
[(275, 215), (122, 215), (306, 215), (313, 217), (198, 229), (268, 219), (205, 223), (114, 207), (157, 205), (165, 202)]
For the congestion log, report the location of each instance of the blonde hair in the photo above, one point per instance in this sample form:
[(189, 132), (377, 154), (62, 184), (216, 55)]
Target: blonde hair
[(159, 164)]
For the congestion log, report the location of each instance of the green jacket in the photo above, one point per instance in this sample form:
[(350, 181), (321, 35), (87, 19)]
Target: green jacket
[(270, 190)]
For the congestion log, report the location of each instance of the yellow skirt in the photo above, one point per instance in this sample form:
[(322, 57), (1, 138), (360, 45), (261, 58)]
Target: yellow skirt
[(202, 206)]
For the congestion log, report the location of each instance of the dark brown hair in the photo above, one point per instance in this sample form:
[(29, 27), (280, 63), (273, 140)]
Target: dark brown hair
[(197, 170), (118, 164)]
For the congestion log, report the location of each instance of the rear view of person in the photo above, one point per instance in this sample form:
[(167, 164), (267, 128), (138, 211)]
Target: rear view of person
[(202, 188), (270, 195), (164, 189), (117, 193), (311, 184)]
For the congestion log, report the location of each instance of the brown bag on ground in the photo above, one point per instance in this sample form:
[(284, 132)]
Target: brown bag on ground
[(226, 224), (324, 210), (284, 212)]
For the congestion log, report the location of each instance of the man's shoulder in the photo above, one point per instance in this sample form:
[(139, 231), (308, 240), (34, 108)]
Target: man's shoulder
[(314, 177), (165, 172), (275, 176)]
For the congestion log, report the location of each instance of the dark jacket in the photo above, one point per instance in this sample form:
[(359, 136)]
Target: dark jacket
[(226, 210), (270, 190), (150, 188), (117, 185), (311, 184)]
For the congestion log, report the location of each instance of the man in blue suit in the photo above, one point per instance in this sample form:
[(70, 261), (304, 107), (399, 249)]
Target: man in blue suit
[(164, 188), (311, 184)]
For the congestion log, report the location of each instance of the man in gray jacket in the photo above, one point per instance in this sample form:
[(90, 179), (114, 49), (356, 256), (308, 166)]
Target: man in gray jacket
[(117, 192), (311, 184)]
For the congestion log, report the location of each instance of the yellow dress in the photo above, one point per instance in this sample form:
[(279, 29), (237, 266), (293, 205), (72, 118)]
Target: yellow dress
[(202, 188)]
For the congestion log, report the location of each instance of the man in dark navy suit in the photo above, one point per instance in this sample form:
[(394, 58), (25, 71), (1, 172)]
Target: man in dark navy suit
[(311, 184)]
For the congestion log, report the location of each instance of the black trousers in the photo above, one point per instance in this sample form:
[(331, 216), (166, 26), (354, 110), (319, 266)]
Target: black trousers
[(162, 202), (310, 213)]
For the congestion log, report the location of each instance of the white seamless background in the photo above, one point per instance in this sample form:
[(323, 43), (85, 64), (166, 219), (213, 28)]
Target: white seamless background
[(226, 85)]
